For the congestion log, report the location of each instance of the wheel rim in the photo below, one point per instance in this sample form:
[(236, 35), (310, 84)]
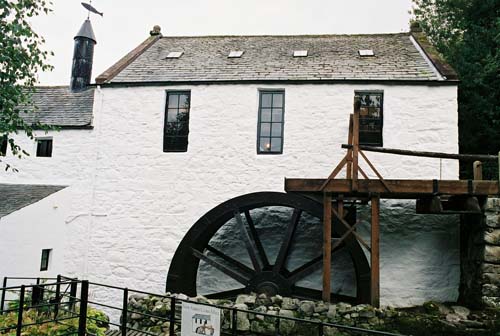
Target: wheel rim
[(260, 274)]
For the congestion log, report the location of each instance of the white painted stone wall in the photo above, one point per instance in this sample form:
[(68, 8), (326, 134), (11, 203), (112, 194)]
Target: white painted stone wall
[(129, 204)]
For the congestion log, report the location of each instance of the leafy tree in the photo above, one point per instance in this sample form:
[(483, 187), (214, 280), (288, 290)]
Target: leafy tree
[(21, 58), (467, 34)]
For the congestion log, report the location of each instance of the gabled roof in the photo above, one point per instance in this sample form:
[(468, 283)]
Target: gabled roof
[(58, 106), (17, 196), (270, 58)]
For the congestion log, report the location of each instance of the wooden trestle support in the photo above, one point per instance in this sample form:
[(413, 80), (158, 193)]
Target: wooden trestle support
[(432, 197)]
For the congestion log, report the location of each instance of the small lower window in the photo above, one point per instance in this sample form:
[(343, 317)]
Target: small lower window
[(44, 147), (371, 118), (44, 265), (3, 146)]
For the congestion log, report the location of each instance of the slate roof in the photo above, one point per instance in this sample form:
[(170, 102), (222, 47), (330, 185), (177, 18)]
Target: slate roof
[(331, 57), (16, 196), (58, 106)]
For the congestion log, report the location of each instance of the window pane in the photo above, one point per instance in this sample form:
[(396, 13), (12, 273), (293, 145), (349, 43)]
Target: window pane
[(177, 143), (265, 144), (277, 115), (265, 129), (173, 100), (276, 130), (276, 144), (172, 115), (266, 99), (184, 101), (265, 115), (278, 100), (370, 119)]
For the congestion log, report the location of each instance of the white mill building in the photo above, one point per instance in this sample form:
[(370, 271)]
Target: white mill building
[(181, 125)]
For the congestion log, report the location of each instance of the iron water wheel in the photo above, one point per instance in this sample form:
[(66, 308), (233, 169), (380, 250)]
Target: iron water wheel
[(268, 267)]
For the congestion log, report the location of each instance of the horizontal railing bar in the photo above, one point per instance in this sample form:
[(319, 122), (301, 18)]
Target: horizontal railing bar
[(104, 305), (439, 155), (97, 320), (37, 323), (38, 285), (149, 315)]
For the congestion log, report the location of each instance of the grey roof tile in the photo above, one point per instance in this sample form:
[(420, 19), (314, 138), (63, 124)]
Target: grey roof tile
[(58, 106), (270, 57), (17, 196)]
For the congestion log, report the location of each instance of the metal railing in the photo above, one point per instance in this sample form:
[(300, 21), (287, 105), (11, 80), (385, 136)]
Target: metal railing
[(172, 315)]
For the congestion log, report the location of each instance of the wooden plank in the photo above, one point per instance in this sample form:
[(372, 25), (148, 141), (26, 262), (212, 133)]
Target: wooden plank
[(439, 155), (478, 170), (399, 188), (327, 245), (375, 254)]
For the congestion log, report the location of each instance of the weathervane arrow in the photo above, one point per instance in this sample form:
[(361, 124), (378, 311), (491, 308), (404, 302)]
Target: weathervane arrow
[(91, 8)]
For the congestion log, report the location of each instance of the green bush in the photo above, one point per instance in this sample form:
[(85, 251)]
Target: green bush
[(53, 328)]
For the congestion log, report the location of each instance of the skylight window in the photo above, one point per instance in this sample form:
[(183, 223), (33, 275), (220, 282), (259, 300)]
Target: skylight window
[(300, 53), (174, 54), (366, 53), (235, 54)]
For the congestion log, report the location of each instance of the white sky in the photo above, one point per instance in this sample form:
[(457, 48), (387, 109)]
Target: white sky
[(126, 23)]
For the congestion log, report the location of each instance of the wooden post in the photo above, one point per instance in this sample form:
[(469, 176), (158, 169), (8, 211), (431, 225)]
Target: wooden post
[(498, 167), (478, 170), (349, 151), (355, 142), (327, 245), (375, 257)]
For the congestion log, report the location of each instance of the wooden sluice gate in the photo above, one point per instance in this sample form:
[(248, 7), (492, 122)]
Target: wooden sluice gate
[(432, 197)]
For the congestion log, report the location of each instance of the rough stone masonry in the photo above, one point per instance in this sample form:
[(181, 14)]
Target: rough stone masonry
[(480, 255)]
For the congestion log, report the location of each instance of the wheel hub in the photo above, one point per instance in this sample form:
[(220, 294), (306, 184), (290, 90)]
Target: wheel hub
[(270, 283)]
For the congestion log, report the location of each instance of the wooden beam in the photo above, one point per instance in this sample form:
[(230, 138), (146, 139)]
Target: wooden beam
[(439, 155), (349, 152), (478, 170), (355, 143), (335, 172), (327, 245), (409, 189), (374, 170), (375, 253)]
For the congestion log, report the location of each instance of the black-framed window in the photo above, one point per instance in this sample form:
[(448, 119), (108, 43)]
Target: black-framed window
[(44, 147), (371, 118), (271, 122), (3, 146), (175, 134), (44, 264)]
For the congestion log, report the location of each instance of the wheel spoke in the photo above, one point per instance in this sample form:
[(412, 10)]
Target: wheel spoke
[(224, 269), (287, 242), (242, 267), (309, 267), (247, 241), (255, 237), (309, 293), (226, 294)]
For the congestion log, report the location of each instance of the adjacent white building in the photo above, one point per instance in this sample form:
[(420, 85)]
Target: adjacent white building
[(183, 124)]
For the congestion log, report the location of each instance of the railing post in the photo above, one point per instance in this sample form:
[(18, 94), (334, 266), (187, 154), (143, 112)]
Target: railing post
[(72, 294), (20, 312), (171, 331), (321, 330), (124, 312), (234, 322), (82, 321), (2, 300), (277, 326), (58, 293), (478, 170)]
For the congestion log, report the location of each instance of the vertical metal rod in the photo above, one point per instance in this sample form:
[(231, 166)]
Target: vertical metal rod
[(234, 322), (327, 245), (171, 331), (277, 326), (58, 294), (375, 252), (72, 294), (124, 312), (84, 296), (2, 300), (20, 312), (321, 329)]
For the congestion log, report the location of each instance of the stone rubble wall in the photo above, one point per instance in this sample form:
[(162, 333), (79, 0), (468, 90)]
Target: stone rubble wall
[(480, 280)]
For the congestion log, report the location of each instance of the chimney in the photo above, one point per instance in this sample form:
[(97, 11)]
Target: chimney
[(83, 56)]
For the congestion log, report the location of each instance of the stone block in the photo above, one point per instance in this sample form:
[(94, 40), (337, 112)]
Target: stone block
[(492, 254), (491, 290)]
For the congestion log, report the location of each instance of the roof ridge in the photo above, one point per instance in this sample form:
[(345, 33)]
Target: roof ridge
[(285, 35)]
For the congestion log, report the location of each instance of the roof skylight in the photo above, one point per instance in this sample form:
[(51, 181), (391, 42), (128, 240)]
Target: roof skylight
[(235, 54), (366, 53), (300, 53), (174, 54)]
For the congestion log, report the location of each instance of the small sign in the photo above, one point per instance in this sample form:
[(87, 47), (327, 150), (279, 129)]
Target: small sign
[(200, 320)]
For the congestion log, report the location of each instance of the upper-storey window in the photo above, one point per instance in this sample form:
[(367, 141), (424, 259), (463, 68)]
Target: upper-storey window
[(44, 147), (371, 118), (176, 121), (270, 128)]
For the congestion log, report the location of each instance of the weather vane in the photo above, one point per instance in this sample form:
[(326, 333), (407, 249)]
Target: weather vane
[(90, 8)]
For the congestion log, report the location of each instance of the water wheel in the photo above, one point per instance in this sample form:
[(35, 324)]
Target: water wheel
[(266, 242)]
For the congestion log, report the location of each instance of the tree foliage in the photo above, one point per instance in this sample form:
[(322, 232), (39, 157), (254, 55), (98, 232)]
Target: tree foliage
[(21, 58), (467, 34)]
